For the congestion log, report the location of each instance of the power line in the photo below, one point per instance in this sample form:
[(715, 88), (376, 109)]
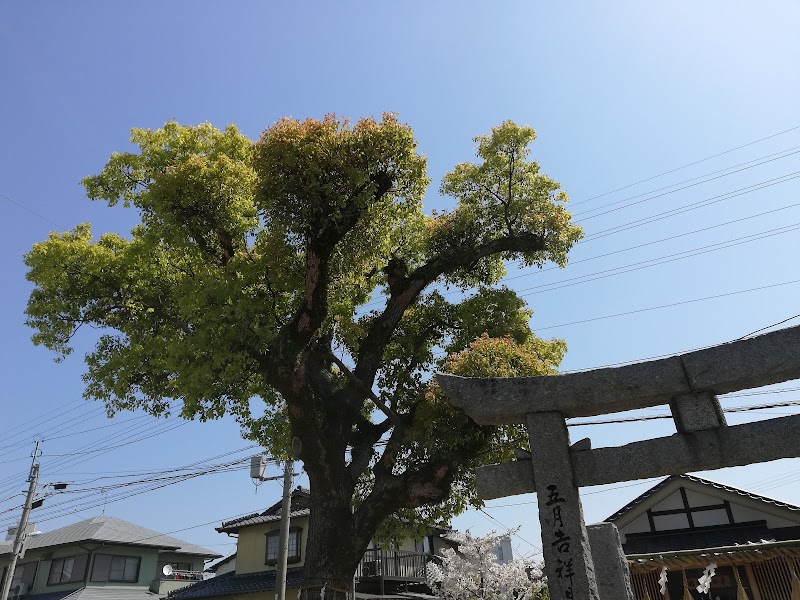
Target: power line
[(441, 353), (648, 358), (643, 245), (678, 189), (144, 483), (509, 531), (768, 327), (690, 207), (27, 426), (67, 461), (75, 421), (189, 466), (33, 212), (120, 474), (659, 260), (82, 504), (763, 392), (733, 409), (659, 217), (608, 489), (696, 162), (671, 305)]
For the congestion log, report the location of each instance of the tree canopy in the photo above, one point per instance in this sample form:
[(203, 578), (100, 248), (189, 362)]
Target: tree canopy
[(296, 283)]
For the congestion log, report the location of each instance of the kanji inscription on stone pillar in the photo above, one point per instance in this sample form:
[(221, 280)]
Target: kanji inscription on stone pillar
[(565, 544)]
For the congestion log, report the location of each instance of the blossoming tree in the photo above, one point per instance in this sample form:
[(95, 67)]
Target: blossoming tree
[(472, 572)]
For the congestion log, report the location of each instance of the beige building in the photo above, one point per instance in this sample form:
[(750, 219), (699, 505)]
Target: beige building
[(250, 573)]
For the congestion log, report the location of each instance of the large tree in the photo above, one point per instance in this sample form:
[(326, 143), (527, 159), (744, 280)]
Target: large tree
[(296, 283)]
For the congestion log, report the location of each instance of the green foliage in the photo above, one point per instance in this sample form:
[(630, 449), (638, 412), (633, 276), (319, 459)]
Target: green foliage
[(249, 281), (504, 195)]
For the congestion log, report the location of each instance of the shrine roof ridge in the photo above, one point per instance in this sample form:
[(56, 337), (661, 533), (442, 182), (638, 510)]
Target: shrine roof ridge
[(687, 477), (754, 362)]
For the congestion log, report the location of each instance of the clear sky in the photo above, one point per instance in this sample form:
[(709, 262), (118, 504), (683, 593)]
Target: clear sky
[(619, 92)]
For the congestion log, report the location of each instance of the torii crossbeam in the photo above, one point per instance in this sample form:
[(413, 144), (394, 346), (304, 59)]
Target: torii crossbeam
[(688, 383)]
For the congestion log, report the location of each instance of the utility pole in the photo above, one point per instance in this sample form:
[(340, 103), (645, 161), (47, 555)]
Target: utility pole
[(283, 540), (19, 538)]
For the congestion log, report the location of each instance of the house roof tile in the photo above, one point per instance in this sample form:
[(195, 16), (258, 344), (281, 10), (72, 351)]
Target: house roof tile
[(230, 583), (111, 530), (233, 526)]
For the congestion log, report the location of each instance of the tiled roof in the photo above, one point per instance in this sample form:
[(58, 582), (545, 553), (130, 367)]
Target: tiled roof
[(298, 493), (721, 486), (111, 530), (233, 526), (230, 583), (707, 537)]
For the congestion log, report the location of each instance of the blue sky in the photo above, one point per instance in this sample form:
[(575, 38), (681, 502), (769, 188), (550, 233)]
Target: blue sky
[(619, 92)]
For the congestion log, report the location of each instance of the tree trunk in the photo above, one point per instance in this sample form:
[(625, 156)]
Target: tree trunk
[(334, 547)]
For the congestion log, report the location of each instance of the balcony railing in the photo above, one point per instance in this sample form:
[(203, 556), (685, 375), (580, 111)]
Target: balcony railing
[(396, 564), (180, 574)]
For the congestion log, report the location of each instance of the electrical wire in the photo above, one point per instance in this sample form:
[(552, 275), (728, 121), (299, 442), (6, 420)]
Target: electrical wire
[(673, 191), (510, 531), (768, 327), (671, 305), (690, 207), (639, 246), (656, 357), (687, 165), (33, 212), (69, 459), (733, 409), (84, 503), (653, 219), (660, 260)]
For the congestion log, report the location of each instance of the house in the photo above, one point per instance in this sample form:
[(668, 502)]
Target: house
[(222, 566), (253, 568), (103, 557), (685, 523)]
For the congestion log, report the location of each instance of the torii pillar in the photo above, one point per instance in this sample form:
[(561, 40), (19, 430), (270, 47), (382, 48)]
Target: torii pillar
[(688, 383)]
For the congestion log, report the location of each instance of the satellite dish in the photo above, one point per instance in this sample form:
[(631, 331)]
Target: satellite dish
[(167, 570)]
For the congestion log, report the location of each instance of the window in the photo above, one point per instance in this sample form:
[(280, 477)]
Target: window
[(67, 570), (116, 568), (273, 541), (22, 581)]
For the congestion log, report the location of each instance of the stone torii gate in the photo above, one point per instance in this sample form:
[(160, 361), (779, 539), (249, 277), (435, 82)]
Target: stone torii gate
[(688, 383)]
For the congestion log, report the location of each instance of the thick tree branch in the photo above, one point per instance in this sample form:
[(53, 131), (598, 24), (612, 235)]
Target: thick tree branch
[(392, 415), (428, 484), (363, 449), (302, 328), (370, 355)]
